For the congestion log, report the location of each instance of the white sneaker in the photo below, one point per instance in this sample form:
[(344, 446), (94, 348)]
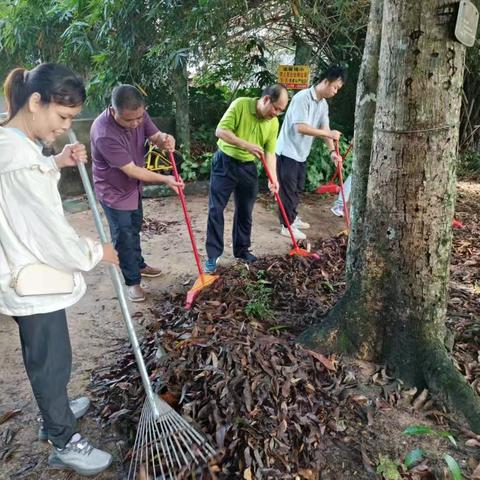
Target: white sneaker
[(337, 210), (301, 225), (81, 457), (296, 233)]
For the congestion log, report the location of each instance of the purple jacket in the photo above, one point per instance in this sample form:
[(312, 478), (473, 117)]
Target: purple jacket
[(114, 146)]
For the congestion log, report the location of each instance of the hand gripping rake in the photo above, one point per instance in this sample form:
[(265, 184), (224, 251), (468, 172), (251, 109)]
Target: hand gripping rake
[(204, 279), (166, 446), (296, 250)]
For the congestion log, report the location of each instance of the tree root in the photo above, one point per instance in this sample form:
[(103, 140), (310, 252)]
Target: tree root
[(344, 330), (349, 329), (445, 381)]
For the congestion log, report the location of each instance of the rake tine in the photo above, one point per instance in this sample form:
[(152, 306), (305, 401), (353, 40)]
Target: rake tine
[(175, 434), (184, 436), (154, 444), (135, 446), (144, 444), (164, 428), (159, 454), (138, 444), (166, 448), (194, 434)]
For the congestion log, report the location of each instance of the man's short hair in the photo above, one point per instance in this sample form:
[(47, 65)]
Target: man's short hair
[(332, 73), (127, 97), (274, 91)]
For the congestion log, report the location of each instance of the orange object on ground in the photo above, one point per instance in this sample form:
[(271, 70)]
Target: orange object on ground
[(204, 279)]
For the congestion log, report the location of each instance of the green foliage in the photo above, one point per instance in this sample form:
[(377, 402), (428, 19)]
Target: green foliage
[(388, 468), (469, 164), (453, 467), (196, 168), (260, 293), (425, 430), (414, 457)]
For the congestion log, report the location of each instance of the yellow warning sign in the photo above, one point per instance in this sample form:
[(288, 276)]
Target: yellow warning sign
[(294, 76)]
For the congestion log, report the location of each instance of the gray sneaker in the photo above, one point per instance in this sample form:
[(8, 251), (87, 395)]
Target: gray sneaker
[(78, 406), (81, 457)]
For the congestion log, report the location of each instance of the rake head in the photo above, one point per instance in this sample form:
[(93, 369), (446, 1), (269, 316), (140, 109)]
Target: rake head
[(203, 281), (166, 447), (328, 188), (301, 252)]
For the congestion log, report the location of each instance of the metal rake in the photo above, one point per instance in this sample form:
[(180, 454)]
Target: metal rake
[(166, 446)]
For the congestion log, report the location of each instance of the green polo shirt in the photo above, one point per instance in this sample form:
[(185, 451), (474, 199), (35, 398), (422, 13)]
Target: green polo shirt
[(241, 119)]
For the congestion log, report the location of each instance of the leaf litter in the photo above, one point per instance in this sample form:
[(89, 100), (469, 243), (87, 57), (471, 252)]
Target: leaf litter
[(276, 410)]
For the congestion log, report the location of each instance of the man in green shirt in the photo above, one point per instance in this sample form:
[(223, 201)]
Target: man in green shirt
[(248, 129)]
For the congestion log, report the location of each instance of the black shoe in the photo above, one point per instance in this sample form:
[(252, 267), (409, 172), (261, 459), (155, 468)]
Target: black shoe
[(247, 257)]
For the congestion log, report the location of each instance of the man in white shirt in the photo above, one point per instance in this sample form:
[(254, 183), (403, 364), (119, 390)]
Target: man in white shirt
[(305, 120)]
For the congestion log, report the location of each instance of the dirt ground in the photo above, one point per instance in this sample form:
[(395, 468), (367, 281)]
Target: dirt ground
[(96, 324)]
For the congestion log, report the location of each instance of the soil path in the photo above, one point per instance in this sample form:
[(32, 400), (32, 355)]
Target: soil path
[(96, 326)]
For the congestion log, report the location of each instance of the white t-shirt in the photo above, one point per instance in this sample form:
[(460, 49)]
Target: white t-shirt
[(304, 108), (33, 228)]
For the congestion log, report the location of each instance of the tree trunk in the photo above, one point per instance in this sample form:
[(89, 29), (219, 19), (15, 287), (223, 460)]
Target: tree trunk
[(182, 112), (395, 306), (364, 116), (303, 52)]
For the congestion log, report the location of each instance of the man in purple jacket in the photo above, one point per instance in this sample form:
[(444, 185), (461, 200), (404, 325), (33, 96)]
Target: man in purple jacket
[(118, 138)]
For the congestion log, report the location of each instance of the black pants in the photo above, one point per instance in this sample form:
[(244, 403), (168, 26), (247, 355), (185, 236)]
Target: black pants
[(229, 175), (291, 176), (47, 356), (125, 226)]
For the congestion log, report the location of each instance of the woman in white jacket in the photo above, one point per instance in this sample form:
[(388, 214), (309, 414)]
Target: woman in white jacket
[(36, 239)]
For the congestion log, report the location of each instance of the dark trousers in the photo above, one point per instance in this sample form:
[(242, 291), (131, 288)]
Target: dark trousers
[(47, 356), (229, 175), (291, 176), (125, 226)]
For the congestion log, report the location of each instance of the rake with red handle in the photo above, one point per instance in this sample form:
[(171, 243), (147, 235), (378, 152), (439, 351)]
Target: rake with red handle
[(204, 279), (346, 213), (296, 250), (331, 186)]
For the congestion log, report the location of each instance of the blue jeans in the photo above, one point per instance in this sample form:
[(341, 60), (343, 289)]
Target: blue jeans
[(125, 226)]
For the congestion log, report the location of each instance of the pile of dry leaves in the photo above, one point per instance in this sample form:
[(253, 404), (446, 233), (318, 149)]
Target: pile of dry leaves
[(273, 409)]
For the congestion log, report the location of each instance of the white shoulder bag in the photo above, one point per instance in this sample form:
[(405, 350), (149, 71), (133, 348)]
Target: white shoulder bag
[(41, 279)]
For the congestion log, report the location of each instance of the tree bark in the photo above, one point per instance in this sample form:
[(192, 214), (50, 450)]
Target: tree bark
[(394, 308), (366, 104), (182, 108)]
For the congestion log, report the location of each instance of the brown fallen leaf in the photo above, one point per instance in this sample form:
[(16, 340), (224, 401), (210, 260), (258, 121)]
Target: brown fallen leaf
[(308, 474), (10, 414), (247, 474), (327, 363), (476, 474)]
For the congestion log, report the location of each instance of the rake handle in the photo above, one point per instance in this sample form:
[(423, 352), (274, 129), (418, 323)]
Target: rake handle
[(340, 178), (280, 203), (181, 194), (117, 283)]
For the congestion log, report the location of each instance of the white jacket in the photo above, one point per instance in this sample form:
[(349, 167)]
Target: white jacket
[(33, 228)]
